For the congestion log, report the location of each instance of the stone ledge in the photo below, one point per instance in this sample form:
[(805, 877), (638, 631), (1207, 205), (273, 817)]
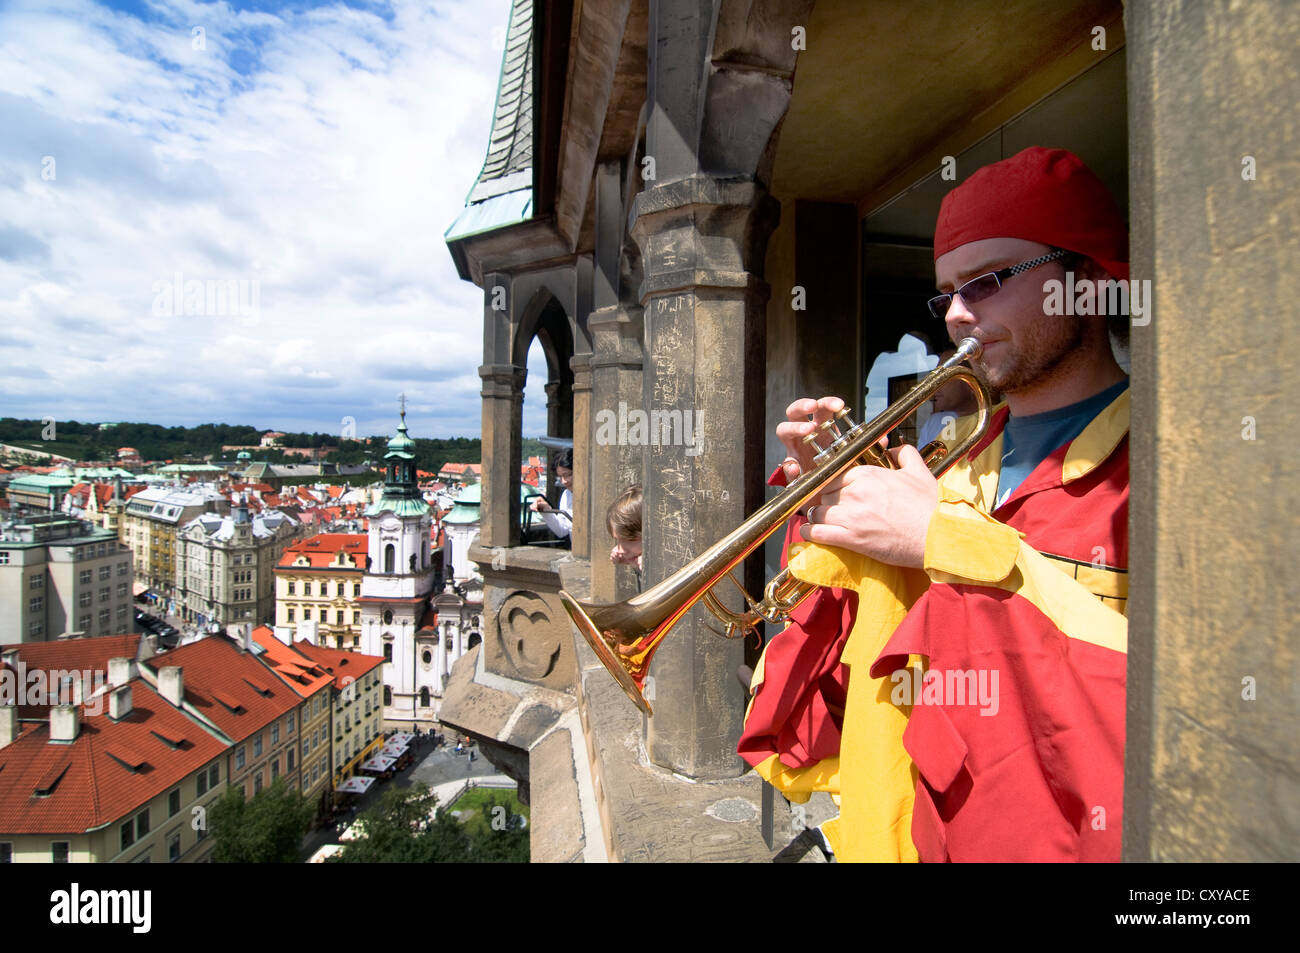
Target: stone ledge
[(650, 814), (529, 733)]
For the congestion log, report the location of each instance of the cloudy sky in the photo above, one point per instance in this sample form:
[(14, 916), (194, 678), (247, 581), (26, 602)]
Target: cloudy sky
[(305, 158)]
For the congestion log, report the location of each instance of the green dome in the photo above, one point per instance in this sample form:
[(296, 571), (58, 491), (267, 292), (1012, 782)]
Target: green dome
[(402, 443)]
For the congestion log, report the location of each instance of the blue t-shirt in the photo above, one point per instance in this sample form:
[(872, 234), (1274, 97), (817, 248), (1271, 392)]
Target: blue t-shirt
[(1028, 441)]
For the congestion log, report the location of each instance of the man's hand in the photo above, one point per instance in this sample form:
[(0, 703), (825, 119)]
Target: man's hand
[(539, 505), (884, 514)]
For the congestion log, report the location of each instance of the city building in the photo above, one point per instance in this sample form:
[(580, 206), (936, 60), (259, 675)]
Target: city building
[(38, 492), (150, 525), (120, 773), (319, 580), (398, 582), (58, 575), (461, 473), (357, 722), (225, 565), (315, 686), (227, 687)]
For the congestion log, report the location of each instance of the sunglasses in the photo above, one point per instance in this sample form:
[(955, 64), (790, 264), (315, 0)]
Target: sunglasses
[(985, 286)]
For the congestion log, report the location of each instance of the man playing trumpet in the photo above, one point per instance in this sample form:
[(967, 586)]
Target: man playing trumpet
[(1009, 572)]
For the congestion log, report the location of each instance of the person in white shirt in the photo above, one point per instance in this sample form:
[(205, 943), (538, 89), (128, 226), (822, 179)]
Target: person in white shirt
[(559, 521)]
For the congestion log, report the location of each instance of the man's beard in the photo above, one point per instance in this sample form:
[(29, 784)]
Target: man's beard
[(1037, 357)]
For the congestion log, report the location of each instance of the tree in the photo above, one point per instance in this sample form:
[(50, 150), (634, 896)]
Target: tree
[(266, 830), (403, 828), (498, 834)]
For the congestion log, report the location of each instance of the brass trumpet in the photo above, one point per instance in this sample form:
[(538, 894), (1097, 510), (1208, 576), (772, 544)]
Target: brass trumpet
[(625, 635)]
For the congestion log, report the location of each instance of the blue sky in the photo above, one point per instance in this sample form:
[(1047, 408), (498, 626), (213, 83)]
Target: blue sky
[(233, 212)]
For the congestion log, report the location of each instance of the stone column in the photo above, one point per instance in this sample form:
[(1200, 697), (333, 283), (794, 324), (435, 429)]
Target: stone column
[(503, 399), (580, 542), (617, 364), (702, 243), (1211, 756)]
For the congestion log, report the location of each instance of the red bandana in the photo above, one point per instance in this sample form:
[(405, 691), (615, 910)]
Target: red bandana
[(1040, 195)]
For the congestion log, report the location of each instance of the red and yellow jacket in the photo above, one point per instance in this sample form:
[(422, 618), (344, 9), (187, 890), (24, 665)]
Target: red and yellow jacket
[(1010, 744)]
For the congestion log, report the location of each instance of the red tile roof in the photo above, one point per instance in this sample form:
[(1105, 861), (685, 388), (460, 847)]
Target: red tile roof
[(87, 787), (321, 549), (304, 675), (219, 678), (345, 666)]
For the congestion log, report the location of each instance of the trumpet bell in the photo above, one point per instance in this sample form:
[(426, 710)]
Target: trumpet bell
[(627, 664)]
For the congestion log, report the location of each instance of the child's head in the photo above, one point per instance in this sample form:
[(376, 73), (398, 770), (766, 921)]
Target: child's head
[(624, 523)]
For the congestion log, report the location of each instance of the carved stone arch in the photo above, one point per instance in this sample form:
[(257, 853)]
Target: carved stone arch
[(546, 319), (748, 87)]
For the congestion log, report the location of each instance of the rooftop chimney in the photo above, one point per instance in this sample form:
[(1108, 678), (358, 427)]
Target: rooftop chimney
[(246, 637), (8, 724), (64, 723), (119, 703), (171, 684), (120, 671)]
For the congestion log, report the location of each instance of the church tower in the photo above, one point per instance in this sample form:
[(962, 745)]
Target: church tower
[(397, 585)]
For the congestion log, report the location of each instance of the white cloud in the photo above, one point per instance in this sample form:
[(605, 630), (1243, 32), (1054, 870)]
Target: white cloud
[(317, 156)]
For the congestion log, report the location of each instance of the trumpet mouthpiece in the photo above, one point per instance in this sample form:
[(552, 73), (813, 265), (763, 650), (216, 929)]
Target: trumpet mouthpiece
[(968, 350)]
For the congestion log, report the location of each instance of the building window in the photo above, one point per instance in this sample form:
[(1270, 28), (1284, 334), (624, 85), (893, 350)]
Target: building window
[(121, 590), (388, 651), (84, 577), (174, 847), (290, 615), (257, 782), (257, 747), (105, 594), (103, 618), (288, 722), (37, 582), (275, 768), (239, 758), (84, 599), (291, 587), (306, 588), (36, 628), (306, 615), (128, 834), (306, 748), (388, 617), (142, 824), (83, 623), (105, 572), (356, 589), (123, 568), (4, 557), (288, 760), (388, 695), (6, 853), (201, 784), (214, 776), (275, 733), (174, 802), (424, 698), (59, 851), (37, 604), (356, 618)]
